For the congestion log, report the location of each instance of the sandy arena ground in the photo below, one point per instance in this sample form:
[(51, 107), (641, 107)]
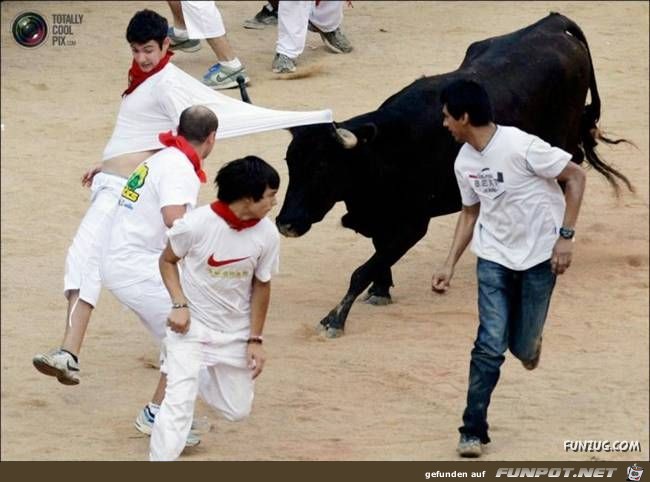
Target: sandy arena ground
[(393, 388)]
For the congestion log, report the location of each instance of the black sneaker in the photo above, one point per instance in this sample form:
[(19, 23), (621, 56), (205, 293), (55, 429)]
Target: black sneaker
[(267, 16)]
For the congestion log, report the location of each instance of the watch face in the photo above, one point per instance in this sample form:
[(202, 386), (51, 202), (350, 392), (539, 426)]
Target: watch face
[(567, 233)]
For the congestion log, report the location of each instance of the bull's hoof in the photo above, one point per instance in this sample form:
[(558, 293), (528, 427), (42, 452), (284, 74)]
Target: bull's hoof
[(377, 300), (334, 332)]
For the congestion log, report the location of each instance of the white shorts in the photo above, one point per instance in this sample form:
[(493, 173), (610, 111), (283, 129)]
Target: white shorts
[(202, 362), (84, 254), (202, 20), (293, 18), (149, 300)]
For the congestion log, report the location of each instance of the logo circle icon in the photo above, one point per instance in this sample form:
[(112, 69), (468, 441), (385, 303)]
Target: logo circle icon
[(29, 29)]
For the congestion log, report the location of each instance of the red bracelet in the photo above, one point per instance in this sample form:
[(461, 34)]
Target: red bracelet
[(255, 339)]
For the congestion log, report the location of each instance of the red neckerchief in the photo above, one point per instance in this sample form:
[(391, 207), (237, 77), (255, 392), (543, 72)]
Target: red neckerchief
[(137, 76), (168, 139), (223, 210)]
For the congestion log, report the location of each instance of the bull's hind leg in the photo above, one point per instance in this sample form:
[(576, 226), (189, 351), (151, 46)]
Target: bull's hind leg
[(377, 267)]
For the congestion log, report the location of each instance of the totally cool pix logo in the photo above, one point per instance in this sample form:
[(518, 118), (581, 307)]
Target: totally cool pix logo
[(29, 29)]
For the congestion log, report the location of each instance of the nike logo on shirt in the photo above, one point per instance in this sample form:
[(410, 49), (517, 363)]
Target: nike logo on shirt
[(216, 263)]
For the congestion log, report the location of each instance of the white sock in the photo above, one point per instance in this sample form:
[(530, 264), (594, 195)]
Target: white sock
[(180, 32), (231, 64)]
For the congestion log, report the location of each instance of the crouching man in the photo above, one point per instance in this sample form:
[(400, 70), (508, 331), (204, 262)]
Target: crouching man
[(213, 344)]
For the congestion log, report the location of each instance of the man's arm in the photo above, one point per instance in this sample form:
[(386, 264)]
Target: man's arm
[(574, 180), (179, 318), (462, 237), (260, 298), (172, 213)]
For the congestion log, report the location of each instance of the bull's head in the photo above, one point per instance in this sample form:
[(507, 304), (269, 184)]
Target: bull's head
[(316, 158)]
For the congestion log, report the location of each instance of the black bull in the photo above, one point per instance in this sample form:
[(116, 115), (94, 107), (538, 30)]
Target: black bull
[(393, 167)]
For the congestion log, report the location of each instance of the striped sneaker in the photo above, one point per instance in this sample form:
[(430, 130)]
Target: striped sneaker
[(144, 423)]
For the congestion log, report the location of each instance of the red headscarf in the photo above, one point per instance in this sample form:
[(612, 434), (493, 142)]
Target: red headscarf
[(168, 139), (137, 76), (223, 210)]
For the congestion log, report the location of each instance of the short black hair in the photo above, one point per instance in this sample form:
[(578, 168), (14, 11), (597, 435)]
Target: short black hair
[(197, 122), (467, 96), (245, 177), (147, 25)]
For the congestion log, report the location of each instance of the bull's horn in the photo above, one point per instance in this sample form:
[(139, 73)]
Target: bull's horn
[(347, 139)]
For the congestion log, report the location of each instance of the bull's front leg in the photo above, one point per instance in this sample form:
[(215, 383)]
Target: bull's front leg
[(378, 266), (334, 322)]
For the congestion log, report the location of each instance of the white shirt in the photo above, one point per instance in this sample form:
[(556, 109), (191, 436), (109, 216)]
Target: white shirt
[(522, 205), (219, 264), (137, 235), (155, 106)]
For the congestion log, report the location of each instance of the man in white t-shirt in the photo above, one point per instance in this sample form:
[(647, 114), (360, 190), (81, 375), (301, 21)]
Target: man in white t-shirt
[(521, 225), (159, 191), (158, 92), (229, 251)]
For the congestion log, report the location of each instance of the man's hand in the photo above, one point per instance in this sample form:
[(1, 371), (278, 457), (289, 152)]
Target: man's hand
[(87, 178), (179, 320), (256, 358), (441, 279), (562, 252)]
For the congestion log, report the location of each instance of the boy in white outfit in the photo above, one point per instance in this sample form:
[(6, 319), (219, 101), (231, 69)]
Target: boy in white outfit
[(229, 252)]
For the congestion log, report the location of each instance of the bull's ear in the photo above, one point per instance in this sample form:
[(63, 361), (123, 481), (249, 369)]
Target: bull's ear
[(366, 133)]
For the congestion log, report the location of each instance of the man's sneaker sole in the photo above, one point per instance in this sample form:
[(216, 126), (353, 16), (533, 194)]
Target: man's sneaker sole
[(187, 46), (229, 83), (256, 25), (470, 453), (42, 366)]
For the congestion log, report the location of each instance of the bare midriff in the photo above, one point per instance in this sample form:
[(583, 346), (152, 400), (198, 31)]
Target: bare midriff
[(125, 164)]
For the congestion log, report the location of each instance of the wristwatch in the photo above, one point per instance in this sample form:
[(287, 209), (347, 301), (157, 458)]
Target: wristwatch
[(567, 233)]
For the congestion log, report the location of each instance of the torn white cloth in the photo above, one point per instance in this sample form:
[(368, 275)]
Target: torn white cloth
[(156, 105)]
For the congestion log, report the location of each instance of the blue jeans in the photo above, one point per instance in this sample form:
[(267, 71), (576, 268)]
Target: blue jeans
[(512, 307)]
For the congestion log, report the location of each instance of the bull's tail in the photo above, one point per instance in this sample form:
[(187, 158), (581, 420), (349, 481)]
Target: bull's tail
[(589, 131)]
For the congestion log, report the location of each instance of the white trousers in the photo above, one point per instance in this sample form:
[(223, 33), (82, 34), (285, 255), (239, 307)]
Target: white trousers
[(149, 300), (206, 362), (202, 20), (84, 254), (293, 18)]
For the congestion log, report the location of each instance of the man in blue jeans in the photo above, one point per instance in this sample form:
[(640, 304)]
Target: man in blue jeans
[(521, 224)]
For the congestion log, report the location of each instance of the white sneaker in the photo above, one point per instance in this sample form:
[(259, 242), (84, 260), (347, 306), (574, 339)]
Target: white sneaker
[(144, 423), (59, 364)]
